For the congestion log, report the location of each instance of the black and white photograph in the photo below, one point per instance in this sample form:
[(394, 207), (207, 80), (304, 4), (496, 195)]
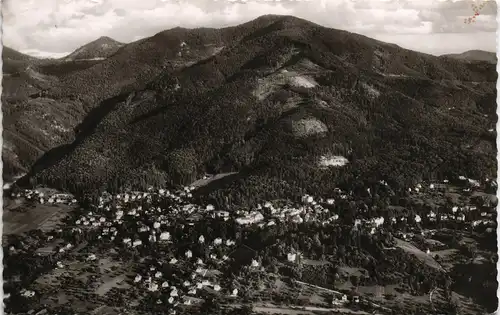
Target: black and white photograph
[(249, 157)]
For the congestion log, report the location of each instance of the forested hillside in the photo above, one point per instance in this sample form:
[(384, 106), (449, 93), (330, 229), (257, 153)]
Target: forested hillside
[(273, 104)]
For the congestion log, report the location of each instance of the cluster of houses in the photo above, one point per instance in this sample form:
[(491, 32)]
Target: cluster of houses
[(154, 215), (464, 183), (151, 217), (137, 220), (41, 197), (183, 291), (479, 215)]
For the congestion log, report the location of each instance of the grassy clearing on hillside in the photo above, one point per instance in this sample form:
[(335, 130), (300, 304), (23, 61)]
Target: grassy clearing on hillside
[(419, 254), (18, 219)]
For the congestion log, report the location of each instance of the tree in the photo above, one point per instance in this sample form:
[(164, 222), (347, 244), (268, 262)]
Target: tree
[(246, 310), (453, 306), (355, 281), (182, 164), (211, 306)]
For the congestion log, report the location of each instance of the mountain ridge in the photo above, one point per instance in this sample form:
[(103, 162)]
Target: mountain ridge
[(475, 55), (63, 83), (211, 117)]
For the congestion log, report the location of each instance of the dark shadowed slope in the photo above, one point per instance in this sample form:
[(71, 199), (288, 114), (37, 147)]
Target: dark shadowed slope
[(14, 61), (32, 122), (475, 55), (282, 105), (12, 54), (77, 86), (68, 89)]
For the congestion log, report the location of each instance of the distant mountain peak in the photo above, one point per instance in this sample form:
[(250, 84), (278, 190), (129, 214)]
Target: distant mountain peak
[(12, 54), (277, 17), (287, 19), (107, 38), (101, 48), (475, 55)]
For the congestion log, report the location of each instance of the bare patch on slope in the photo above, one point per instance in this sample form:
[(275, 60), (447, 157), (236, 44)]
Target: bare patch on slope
[(371, 91), (326, 161), (215, 50), (276, 81), (210, 178), (302, 81), (427, 259), (38, 76), (268, 85), (307, 127)]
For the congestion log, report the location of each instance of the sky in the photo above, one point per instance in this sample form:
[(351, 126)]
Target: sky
[(54, 28)]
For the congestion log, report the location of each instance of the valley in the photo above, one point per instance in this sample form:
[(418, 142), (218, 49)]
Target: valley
[(156, 250)]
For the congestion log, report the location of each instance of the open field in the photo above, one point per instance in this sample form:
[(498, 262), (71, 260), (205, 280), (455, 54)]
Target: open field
[(296, 310), (431, 262), (19, 218), (77, 279)]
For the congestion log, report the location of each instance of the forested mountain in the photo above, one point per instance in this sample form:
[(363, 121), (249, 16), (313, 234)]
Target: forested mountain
[(45, 99), (275, 166), (101, 48), (276, 100), (476, 55)]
